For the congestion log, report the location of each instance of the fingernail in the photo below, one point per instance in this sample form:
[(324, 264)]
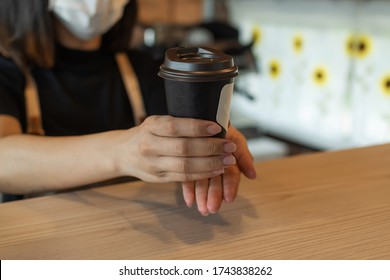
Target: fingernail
[(229, 160), (218, 172), (229, 147), (252, 174), (213, 129)]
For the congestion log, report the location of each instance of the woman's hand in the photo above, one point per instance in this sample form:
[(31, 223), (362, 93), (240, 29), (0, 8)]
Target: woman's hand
[(168, 149), (209, 193)]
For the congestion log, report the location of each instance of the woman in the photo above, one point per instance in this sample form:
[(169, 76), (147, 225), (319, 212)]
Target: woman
[(67, 108)]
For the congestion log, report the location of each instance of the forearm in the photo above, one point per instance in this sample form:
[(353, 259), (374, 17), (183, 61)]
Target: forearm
[(34, 163), (161, 149)]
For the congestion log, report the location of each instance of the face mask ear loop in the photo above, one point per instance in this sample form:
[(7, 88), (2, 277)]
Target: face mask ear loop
[(130, 81), (33, 109)]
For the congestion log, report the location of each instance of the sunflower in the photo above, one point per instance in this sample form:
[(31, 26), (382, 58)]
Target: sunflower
[(320, 76), (385, 85), (359, 46), (274, 69), (297, 43), (364, 46)]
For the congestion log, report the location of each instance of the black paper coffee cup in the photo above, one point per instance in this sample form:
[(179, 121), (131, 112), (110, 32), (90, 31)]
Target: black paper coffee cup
[(199, 84)]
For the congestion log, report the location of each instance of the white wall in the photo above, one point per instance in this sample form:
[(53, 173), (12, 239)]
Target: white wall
[(351, 105)]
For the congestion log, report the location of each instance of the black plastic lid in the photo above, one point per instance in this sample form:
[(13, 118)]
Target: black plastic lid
[(197, 64)]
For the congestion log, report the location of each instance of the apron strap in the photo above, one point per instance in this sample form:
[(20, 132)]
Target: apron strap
[(133, 90), (33, 109), (130, 80)]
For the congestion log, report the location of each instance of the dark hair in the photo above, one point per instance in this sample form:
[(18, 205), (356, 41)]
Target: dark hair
[(27, 34)]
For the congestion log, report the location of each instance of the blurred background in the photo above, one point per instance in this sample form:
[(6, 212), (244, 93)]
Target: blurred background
[(314, 74)]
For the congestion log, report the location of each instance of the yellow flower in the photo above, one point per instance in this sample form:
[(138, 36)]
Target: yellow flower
[(385, 85), (274, 69), (320, 76), (359, 46), (363, 46), (297, 43)]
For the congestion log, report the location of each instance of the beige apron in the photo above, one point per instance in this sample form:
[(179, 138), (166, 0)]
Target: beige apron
[(129, 78)]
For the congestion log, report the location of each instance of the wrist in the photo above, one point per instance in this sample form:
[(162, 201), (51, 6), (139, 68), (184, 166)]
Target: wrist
[(119, 155)]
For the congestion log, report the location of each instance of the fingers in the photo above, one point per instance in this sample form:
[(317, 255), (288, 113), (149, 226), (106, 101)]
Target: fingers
[(188, 147), (190, 165), (208, 194), (189, 192), (190, 161), (231, 182), (215, 194), (168, 154), (168, 126), (166, 149), (201, 192), (242, 153)]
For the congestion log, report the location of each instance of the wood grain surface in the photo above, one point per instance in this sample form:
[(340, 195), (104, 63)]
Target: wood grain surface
[(332, 205)]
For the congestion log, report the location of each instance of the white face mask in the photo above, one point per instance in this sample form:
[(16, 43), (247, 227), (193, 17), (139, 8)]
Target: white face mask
[(87, 19)]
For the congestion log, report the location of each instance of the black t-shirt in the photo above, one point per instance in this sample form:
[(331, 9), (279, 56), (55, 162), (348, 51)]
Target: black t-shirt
[(83, 93)]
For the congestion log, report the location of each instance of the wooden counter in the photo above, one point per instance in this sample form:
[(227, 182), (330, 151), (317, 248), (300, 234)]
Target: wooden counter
[(321, 206)]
